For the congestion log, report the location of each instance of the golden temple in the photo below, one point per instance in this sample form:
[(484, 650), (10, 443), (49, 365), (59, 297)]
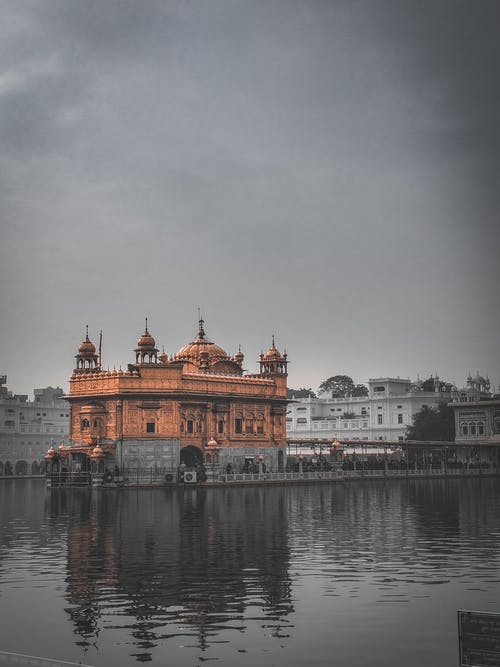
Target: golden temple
[(197, 406)]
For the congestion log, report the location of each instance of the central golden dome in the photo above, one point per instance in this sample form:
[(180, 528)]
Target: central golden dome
[(192, 351)]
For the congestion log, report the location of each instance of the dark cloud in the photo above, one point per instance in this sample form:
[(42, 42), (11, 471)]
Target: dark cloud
[(326, 171)]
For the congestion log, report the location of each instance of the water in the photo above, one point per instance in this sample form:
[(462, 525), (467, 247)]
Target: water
[(358, 574)]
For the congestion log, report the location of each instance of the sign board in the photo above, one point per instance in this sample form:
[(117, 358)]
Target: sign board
[(479, 639)]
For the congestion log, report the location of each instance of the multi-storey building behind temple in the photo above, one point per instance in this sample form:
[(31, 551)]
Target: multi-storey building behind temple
[(197, 405), (29, 428), (384, 414)]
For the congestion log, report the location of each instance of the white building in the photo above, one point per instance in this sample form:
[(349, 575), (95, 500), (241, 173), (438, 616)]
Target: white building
[(29, 428), (382, 415)]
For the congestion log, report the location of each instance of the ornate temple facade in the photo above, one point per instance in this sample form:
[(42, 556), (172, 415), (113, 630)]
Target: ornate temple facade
[(195, 406)]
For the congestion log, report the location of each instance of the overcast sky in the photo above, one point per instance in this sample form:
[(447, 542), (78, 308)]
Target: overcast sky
[(325, 171)]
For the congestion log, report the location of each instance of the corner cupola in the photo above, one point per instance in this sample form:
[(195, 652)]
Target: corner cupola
[(87, 361), (273, 362), (146, 351)]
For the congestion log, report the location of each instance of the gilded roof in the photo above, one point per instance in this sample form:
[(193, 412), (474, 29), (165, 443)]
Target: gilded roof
[(192, 351)]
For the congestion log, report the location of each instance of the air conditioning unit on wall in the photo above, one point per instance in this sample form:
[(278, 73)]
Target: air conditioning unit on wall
[(189, 477)]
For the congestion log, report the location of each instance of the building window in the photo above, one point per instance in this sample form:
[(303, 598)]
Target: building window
[(400, 418), (190, 426), (150, 427), (220, 426), (249, 427), (379, 389), (465, 429), (363, 411), (473, 429), (301, 409), (480, 428), (400, 407), (238, 425), (85, 424), (301, 420), (260, 427), (379, 419)]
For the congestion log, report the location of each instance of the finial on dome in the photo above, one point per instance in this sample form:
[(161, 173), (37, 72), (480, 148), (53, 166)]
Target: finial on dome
[(87, 331), (146, 329), (201, 330), (273, 341)]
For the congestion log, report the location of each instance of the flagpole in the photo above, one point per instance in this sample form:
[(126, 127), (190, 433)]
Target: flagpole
[(100, 349)]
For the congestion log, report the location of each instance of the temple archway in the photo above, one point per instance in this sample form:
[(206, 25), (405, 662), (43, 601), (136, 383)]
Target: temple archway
[(191, 456)]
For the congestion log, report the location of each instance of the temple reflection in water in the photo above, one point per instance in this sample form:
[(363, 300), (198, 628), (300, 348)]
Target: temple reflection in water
[(164, 565)]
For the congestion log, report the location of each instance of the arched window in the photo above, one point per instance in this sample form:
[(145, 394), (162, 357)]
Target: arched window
[(465, 429), (480, 428), (473, 429), (85, 424)]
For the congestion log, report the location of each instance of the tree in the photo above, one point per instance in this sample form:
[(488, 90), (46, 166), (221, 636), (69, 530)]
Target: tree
[(338, 386), (433, 424), (300, 393), (342, 386)]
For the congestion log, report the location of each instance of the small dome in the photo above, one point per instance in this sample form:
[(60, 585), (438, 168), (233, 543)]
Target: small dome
[(97, 452), (146, 341), (87, 348), (273, 353)]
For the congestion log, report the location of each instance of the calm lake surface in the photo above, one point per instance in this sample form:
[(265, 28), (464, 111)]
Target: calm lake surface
[(355, 574)]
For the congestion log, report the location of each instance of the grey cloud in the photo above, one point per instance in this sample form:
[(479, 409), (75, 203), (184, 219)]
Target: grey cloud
[(323, 170)]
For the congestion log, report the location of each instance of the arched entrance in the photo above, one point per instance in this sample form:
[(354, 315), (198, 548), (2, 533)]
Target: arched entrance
[(21, 468), (191, 456)]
